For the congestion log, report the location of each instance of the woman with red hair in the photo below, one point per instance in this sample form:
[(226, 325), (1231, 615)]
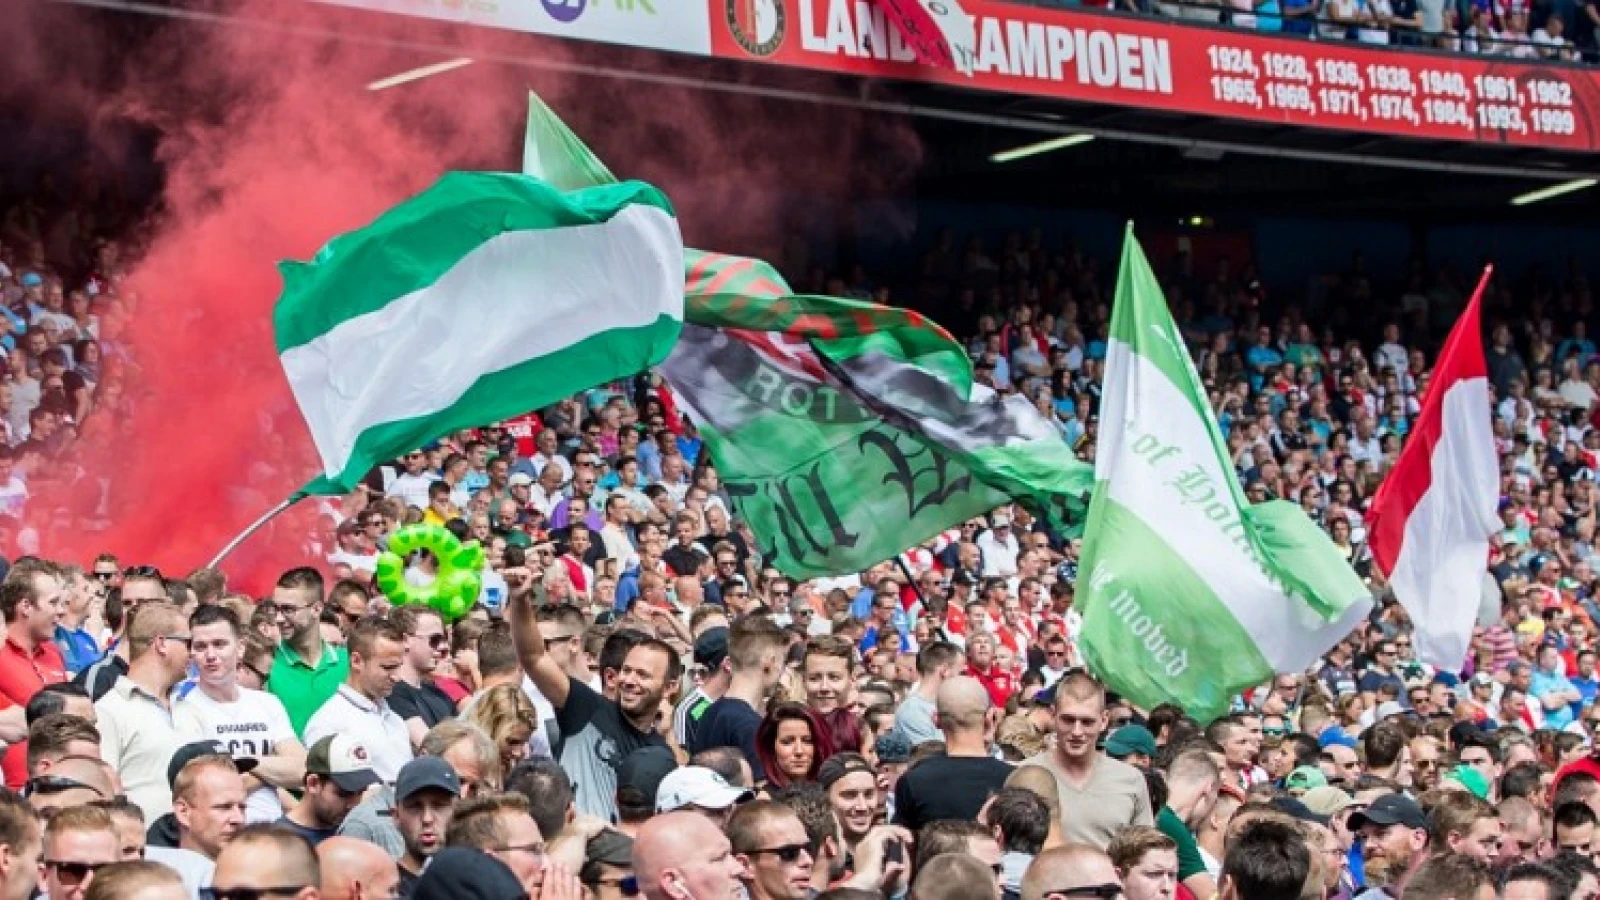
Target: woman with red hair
[(790, 744)]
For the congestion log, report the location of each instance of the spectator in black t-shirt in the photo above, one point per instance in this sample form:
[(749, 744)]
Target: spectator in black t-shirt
[(596, 733), (416, 699), (756, 649), (957, 784)]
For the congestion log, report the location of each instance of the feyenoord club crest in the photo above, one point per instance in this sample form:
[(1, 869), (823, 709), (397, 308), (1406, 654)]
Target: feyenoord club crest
[(757, 25)]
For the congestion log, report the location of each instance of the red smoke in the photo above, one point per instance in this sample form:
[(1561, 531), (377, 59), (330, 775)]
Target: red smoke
[(271, 145)]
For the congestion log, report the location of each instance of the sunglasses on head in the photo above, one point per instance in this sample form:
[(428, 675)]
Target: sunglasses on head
[(56, 784), (141, 572)]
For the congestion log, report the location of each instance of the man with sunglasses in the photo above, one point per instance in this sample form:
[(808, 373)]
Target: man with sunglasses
[(250, 724), (416, 699), (77, 842), (772, 843), (411, 485), (1071, 872), (264, 862), (137, 734)]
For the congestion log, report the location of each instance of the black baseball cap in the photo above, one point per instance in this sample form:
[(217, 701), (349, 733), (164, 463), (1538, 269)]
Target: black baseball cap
[(423, 773), (711, 648), (188, 753), (1390, 809)]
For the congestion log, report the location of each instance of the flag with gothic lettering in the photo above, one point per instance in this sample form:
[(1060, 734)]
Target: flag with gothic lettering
[(1188, 593), (846, 432)]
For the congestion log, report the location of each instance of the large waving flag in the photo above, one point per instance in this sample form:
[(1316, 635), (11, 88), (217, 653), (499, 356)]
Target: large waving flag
[(844, 432), (382, 335), (1432, 518), (1190, 595)]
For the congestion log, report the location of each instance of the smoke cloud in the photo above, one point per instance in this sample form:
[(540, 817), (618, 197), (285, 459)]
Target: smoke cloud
[(270, 145)]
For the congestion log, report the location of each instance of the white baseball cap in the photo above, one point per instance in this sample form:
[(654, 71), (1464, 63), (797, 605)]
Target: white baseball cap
[(697, 786)]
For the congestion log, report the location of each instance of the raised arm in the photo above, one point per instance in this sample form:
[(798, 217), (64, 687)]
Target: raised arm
[(531, 652)]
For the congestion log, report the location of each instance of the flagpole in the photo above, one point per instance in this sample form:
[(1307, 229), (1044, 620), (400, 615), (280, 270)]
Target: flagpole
[(900, 560), (255, 526)]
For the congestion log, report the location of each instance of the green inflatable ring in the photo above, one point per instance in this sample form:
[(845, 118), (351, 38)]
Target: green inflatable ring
[(460, 578)]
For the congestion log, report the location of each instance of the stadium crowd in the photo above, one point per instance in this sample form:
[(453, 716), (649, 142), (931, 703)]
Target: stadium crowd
[(639, 705), (1517, 29)]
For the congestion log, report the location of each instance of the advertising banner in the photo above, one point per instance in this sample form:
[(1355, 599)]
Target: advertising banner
[(1158, 64), (681, 26)]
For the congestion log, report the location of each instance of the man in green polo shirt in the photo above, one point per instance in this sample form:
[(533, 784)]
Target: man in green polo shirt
[(306, 670)]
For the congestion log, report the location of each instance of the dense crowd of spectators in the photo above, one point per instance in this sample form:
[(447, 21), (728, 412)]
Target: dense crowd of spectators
[(1518, 29), (640, 705)]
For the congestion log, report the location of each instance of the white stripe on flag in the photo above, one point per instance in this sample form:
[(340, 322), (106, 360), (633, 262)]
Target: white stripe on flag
[(514, 298), (1439, 569), (1286, 631)]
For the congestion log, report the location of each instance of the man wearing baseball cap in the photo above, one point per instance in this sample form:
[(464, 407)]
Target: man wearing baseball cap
[(710, 654), (701, 790), (338, 772), (425, 796), (1396, 833)]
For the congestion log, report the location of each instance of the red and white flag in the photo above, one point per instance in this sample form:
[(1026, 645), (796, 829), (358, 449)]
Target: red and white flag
[(1430, 523)]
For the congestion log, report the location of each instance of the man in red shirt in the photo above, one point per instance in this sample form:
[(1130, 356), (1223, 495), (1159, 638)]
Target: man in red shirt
[(980, 665), (33, 601)]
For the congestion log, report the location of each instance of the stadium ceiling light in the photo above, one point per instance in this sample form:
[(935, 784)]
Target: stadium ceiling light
[(1554, 190), (1027, 150), (419, 73)]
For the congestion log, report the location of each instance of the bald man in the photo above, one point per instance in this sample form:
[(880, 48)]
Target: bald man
[(72, 781), (1042, 783), (951, 876), (683, 856), (956, 785), (1068, 869), (353, 869)]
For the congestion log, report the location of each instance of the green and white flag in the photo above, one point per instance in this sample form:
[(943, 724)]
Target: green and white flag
[(846, 432), (483, 297), (1190, 595)]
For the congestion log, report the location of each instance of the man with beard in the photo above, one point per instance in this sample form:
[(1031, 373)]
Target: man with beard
[(596, 731), (771, 842), (755, 652), (1396, 837), (337, 774), (425, 798)]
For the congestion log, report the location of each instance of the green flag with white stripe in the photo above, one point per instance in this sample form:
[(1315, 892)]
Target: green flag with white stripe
[(482, 297), (1188, 593)]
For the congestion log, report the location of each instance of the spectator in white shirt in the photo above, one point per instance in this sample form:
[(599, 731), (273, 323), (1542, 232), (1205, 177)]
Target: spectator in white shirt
[(250, 724), (411, 486), (1391, 353), (548, 456), (999, 547), (360, 708), (137, 733)]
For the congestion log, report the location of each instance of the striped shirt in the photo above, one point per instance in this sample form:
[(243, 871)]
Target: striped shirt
[(686, 716), (1504, 642)]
